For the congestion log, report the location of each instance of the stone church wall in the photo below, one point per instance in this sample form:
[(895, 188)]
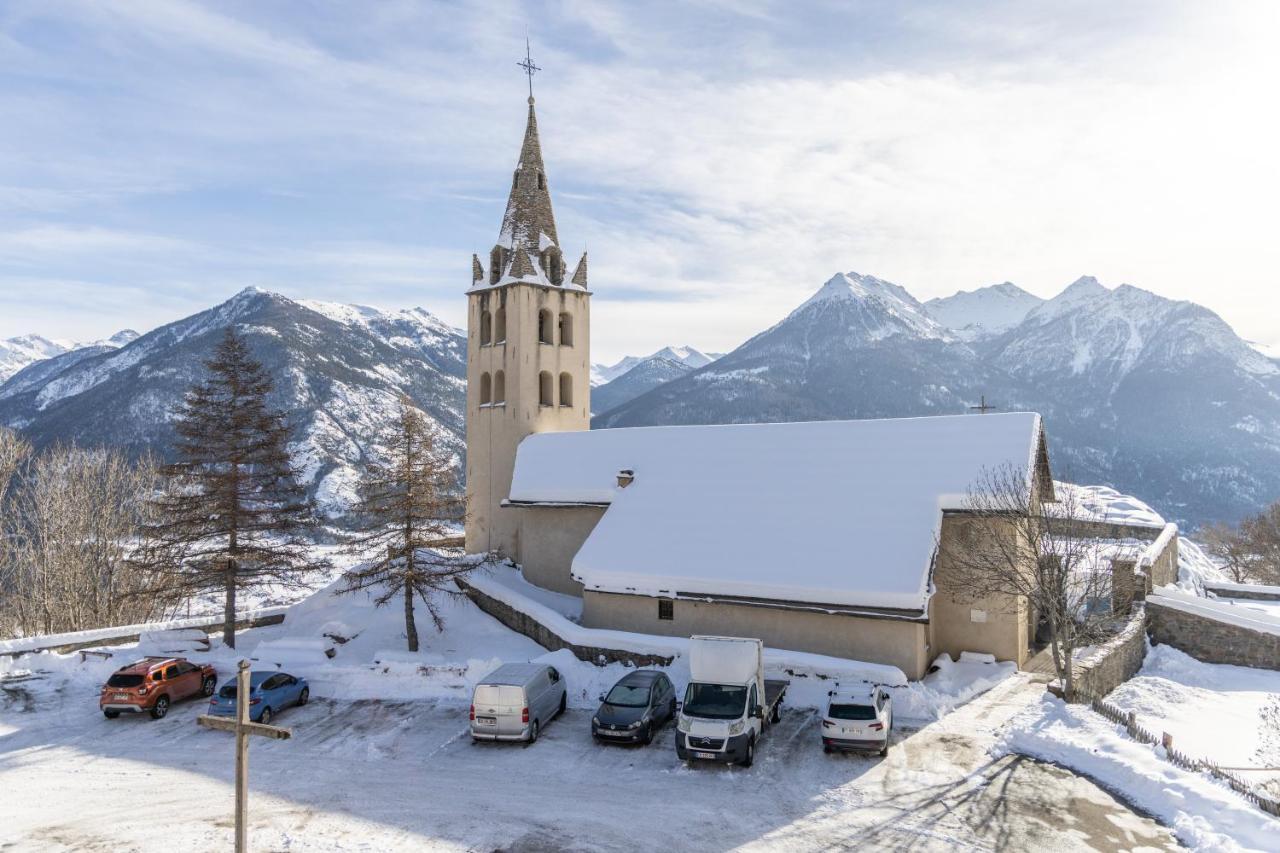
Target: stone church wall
[(549, 539)]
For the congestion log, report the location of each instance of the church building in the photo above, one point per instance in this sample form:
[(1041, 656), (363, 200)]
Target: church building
[(826, 537)]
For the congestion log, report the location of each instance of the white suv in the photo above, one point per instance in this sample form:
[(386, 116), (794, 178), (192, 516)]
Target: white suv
[(858, 718)]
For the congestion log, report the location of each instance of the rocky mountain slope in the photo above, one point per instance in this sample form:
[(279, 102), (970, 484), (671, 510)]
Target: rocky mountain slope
[(1155, 397), (644, 376), (338, 370), (17, 353), (686, 355)]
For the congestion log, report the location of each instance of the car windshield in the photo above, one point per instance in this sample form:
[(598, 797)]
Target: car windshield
[(715, 701), (121, 679), (851, 712), (629, 695)]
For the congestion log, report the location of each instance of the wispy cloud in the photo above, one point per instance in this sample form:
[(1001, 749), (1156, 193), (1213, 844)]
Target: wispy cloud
[(720, 160)]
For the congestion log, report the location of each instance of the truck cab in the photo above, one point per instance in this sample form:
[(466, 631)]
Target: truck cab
[(728, 701)]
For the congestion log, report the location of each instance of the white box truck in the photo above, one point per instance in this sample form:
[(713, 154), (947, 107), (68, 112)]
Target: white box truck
[(728, 701)]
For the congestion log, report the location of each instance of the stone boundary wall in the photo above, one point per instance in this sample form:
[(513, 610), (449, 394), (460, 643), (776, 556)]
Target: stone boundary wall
[(1253, 591), (542, 635), (121, 639), (1115, 661), (1081, 528), (1211, 640)]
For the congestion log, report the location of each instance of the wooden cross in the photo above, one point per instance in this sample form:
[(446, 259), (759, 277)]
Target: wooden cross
[(243, 729), (982, 408)]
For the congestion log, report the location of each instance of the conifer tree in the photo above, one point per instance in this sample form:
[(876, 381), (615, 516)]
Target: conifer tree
[(233, 516), (408, 506)]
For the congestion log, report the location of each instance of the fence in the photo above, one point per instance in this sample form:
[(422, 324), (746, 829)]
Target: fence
[(1129, 720)]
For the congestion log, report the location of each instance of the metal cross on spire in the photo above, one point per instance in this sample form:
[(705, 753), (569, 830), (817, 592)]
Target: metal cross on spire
[(528, 66)]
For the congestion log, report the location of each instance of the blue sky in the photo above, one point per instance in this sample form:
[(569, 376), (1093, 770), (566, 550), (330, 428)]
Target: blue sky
[(718, 159)]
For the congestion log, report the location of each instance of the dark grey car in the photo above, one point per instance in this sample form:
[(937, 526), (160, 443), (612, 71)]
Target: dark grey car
[(638, 705)]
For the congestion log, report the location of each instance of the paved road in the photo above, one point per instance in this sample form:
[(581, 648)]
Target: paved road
[(387, 776)]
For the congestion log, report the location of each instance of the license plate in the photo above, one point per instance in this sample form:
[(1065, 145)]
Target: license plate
[(710, 755), (487, 721), (611, 733), (120, 696)]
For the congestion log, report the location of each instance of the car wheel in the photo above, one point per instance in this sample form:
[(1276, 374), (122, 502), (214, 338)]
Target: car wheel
[(110, 715), (304, 696), (265, 716), (884, 750), (777, 713), (533, 732), (206, 688), (750, 757), (160, 708), (563, 702), (647, 737)]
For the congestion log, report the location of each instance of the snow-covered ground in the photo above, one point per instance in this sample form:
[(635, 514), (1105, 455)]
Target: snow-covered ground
[(381, 760), (1228, 714)]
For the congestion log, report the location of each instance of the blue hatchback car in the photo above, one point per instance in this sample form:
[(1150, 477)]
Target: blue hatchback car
[(269, 694)]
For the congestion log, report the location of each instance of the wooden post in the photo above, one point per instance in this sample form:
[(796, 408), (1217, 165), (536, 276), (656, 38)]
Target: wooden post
[(1166, 740), (242, 758), (243, 730)]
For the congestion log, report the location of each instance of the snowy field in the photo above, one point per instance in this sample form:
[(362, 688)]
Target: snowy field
[(381, 760)]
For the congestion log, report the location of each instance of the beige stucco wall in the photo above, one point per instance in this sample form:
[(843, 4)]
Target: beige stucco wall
[(494, 431), (549, 539), (1006, 631), (901, 644)]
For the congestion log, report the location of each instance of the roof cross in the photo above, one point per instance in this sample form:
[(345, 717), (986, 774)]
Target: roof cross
[(528, 66), (983, 407)]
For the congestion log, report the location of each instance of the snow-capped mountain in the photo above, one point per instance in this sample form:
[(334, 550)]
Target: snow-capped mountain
[(17, 353), (860, 347), (338, 370), (686, 355), (647, 374), (1149, 395), (974, 314)]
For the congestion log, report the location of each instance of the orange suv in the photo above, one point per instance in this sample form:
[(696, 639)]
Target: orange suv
[(153, 684)]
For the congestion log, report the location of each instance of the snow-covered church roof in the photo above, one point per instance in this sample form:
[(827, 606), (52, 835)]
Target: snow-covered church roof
[(842, 513)]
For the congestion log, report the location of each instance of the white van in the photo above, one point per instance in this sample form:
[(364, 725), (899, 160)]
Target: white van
[(515, 701)]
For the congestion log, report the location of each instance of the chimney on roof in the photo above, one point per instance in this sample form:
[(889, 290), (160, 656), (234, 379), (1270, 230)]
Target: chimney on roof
[(625, 476)]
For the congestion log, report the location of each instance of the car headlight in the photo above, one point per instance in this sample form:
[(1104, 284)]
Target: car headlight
[(682, 723), (595, 721), (736, 728), (637, 724)]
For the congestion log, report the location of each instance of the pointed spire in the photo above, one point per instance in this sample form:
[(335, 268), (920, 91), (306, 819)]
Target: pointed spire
[(477, 271), (521, 267), (529, 217), (580, 274)]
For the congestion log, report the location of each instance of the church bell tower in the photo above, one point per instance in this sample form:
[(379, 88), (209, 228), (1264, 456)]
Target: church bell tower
[(528, 348)]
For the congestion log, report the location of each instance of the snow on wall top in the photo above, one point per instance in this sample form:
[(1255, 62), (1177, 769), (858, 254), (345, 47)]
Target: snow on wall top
[(1103, 503), (842, 513)]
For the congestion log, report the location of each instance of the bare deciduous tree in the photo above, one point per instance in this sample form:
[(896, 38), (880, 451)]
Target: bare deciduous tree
[(1232, 551), (1016, 548), (232, 516), (408, 503), (1250, 552)]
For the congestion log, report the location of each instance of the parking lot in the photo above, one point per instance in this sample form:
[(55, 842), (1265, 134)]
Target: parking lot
[(375, 775)]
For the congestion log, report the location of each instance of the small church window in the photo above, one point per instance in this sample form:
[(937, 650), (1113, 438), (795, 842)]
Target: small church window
[(486, 393), (499, 387), (566, 330), (566, 389), (486, 336), (542, 181), (544, 327), (545, 390), (500, 326), (666, 609)]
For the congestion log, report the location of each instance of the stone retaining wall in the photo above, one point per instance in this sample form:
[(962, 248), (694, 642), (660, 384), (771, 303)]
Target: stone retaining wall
[(1211, 640), (1115, 661), (542, 635), (1257, 592)]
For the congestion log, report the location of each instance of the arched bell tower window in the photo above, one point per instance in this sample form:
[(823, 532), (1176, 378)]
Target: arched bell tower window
[(545, 391), (544, 327), (566, 390), (486, 329), (566, 330), (486, 390), (500, 326), (499, 387), (497, 261)]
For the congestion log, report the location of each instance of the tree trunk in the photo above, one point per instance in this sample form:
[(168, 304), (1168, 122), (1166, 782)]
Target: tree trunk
[(410, 625), (229, 607)]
